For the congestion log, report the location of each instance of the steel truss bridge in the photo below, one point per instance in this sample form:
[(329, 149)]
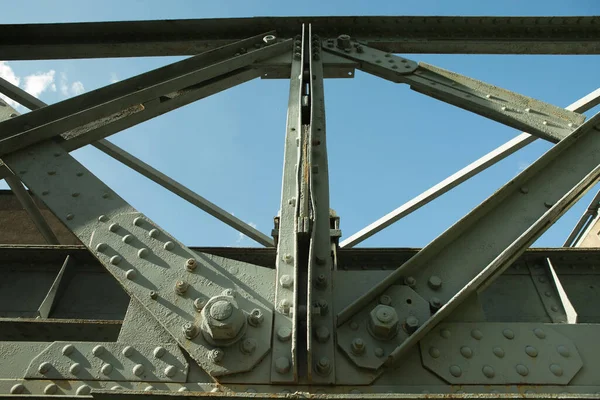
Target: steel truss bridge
[(136, 312)]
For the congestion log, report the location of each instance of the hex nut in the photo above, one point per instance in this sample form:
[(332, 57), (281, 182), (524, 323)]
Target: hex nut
[(191, 264), (323, 366), (255, 318), (190, 330), (383, 322), (344, 41), (223, 322), (358, 346)]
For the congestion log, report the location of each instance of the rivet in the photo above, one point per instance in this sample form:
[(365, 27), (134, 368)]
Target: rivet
[(508, 333), (284, 334), (17, 389), (154, 233), (556, 369), (115, 260), (548, 204), (353, 325), (488, 371), (498, 352), (522, 370), (288, 258), (102, 218), (50, 389), (466, 352), (323, 366), (539, 333), (113, 227), (455, 371), (216, 355), (542, 279), (524, 189), (143, 252), (434, 352), (83, 390), (44, 367), (75, 194), (169, 245), (45, 193), (127, 351), (531, 351), (159, 351), (445, 333), (554, 308), (70, 217), (435, 282), (191, 264), (51, 172), (170, 371), (138, 369), (563, 351), (98, 350), (476, 334), (286, 281), (68, 349), (130, 274), (137, 221), (282, 365), (248, 346), (79, 174), (106, 369), (547, 294), (75, 368)]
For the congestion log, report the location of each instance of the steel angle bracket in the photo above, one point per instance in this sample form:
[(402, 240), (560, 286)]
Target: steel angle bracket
[(517, 111), (111, 361), (472, 253), (172, 282)]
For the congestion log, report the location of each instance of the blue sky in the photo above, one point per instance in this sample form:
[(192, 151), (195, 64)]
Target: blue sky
[(386, 143)]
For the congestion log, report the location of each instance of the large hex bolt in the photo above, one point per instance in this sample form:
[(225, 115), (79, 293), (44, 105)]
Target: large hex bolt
[(344, 41), (223, 322), (383, 322)]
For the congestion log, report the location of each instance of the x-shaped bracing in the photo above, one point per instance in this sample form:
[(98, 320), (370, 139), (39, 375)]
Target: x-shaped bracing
[(175, 284)]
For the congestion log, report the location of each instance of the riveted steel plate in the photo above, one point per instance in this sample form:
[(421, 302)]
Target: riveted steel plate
[(146, 260), (406, 302), (500, 353), (109, 362)]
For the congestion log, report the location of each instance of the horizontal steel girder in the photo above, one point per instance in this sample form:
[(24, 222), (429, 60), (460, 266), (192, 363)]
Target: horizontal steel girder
[(398, 34)]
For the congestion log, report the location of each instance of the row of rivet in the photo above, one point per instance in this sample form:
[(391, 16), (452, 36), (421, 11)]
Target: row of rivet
[(107, 368)]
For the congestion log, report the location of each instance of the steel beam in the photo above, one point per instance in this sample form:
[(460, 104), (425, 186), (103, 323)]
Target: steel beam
[(585, 103), (582, 228), (284, 361), (321, 349), (481, 245), (78, 111), (515, 110), (397, 34)]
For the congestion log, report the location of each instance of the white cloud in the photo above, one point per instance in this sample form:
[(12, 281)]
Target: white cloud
[(64, 87), (37, 83), (114, 78), (77, 88), (241, 236), (34, 84)]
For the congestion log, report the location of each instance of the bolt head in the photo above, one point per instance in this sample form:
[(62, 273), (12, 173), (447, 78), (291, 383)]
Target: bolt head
[(383, 322), (256, 317), (216, 355), (191, 264), (286, 281), (190, 330), (322, 334), (98, 350), (284, 334), (435, 282), (411, 324), (358, 346), (385, 300), (282, 365), (222, 320), (323, 366), (159, 352), (44, 367)]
